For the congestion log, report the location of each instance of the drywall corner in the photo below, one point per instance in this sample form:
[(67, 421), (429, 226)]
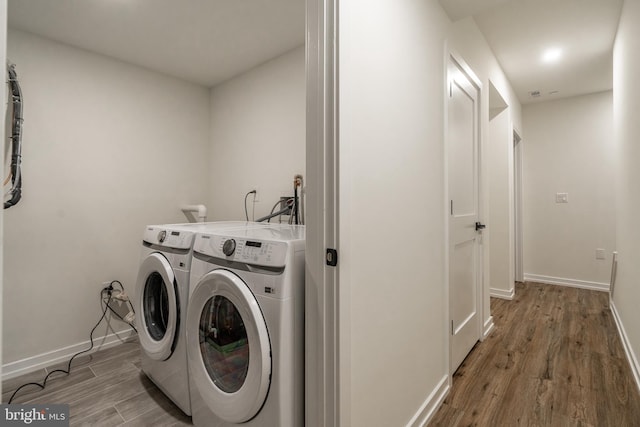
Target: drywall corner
[(257, 121), (497, 104)]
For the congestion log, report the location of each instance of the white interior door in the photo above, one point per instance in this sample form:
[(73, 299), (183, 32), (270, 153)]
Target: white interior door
[(463, 184)]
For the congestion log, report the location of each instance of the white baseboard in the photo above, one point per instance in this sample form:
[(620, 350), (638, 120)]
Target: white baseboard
[(431, 405), (631, 356), (502, 294), (488, 327), (30, 364), (572, 283)]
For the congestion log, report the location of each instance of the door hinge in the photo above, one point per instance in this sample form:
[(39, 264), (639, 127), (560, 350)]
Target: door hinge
[(450, 90), (452, 207), (452, 327), (332, 257)]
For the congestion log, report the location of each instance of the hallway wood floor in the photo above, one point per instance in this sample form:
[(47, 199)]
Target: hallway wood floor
[(554, 359)]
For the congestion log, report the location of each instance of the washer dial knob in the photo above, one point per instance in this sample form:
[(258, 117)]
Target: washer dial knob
[(229, 247)]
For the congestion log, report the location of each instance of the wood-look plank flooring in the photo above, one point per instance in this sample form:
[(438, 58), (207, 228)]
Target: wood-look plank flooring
[(106, 388), (554, 359)]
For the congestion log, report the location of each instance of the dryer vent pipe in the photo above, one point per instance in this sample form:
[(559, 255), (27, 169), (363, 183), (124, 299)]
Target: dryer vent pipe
[(200, 209), (16, 138)]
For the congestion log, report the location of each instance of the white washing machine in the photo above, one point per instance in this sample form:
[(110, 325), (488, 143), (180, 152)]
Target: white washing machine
[(245, 327), (161, 297)]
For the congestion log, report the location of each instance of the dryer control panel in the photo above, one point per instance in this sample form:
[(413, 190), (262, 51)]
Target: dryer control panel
[(177, 239), (256, 252)]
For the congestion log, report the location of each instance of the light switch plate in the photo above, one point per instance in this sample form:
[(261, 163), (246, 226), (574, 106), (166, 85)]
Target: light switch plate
[(600, 254), (562, 197)]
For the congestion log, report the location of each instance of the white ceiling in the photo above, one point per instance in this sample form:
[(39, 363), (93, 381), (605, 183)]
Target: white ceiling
[(458, 9), (202, 41), (209, 41), (518, 32)]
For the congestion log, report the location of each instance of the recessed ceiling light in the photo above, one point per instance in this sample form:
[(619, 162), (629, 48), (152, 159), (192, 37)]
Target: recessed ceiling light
[(552, 55)]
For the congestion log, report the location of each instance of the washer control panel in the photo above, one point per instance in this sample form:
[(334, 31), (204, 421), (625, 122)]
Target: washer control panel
[(229, 247), (257, 252)]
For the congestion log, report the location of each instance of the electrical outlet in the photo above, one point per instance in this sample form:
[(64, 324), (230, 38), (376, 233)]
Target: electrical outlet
[(562, 197), (107, 290), (283, 202)]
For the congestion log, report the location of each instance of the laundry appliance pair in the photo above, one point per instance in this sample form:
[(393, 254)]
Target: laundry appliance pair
[(221, 320)]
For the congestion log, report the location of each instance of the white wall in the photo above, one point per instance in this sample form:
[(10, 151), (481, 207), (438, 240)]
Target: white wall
[(499, 177), (496, 160), (391, 220), (257, 136), (626, 101), (108, 148), (467, 39), (568, 149), (3, 93)]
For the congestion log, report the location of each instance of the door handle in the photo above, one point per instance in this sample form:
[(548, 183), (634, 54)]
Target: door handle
[(480, 226)]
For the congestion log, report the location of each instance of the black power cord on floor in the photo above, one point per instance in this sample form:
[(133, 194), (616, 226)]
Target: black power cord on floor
[(108, 290)]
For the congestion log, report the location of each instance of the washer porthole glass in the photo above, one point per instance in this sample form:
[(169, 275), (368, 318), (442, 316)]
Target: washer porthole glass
[(223, 344), (156, 306)]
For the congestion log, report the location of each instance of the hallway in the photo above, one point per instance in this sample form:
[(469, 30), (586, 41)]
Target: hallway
[(554, 359)]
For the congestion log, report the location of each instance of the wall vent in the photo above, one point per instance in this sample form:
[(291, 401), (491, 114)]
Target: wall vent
[(534, 94)]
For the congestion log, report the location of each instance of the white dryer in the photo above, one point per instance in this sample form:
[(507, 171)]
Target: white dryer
[(161, 297), (245, 327)]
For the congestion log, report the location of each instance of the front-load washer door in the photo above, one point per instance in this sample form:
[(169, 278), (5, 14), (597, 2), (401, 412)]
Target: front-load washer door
[(228, 347), (157, 307)]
